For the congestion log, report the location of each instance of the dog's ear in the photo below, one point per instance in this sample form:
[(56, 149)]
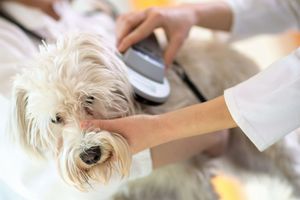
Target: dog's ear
[(18, 122), (20, 127)]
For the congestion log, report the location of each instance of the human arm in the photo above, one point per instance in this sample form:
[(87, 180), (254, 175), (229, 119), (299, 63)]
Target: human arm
[(266, 107), (146, 131)]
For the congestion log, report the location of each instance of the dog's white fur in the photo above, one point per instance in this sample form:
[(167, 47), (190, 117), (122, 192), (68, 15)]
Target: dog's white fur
[(64, 77), (76, 79)]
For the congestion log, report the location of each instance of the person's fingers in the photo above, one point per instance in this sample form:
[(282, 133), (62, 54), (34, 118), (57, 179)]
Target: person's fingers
[(103, 124), (142, 31), (107, 125), (171, 50), (125, 23)]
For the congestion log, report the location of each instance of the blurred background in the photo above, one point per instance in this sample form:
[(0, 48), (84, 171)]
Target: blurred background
[(263, 49)]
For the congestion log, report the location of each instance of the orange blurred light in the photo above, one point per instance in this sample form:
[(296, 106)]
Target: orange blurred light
[(227, 187), (289, 42), (296, 38), (142, 4)]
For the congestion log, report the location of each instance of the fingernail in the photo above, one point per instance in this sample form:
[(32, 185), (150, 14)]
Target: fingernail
[(167, 65), (117, 43), (121, 47), (86, 124)]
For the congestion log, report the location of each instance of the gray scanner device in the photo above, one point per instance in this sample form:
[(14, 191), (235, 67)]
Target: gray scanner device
[(145, 58), (147, 71)]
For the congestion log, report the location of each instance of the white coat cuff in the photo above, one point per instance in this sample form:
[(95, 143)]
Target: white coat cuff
[(242, 122), (141, 164), (266, 106)]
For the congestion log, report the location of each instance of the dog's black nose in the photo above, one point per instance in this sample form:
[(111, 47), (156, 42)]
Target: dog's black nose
[(91, 155)]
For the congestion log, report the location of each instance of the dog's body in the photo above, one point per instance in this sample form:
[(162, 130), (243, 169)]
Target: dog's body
[(81, 78)]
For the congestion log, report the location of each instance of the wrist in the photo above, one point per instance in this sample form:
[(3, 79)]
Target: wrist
[(173, 126), (191, 11), (164, 128), (216, 15)]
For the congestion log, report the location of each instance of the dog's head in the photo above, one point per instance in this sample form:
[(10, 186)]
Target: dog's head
[(78, 78)]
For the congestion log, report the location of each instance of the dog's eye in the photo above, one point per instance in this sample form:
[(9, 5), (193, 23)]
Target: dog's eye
[(90, 100), (88, 110), (58, 119)]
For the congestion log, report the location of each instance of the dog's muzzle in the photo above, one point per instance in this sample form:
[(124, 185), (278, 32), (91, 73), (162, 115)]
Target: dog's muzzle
[(91, 155)]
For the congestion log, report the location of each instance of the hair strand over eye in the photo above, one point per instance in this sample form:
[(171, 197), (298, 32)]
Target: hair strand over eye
[(58, 119)]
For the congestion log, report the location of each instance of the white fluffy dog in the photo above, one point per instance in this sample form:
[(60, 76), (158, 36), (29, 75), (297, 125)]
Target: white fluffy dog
[(78, 78), (81, 78)]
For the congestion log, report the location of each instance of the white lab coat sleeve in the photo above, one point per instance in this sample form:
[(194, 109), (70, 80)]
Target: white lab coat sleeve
[(252, 17), (267, 106), (15, 49)]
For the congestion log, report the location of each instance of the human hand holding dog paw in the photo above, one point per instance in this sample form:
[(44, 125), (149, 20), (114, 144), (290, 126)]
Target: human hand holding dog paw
[(140, 131)]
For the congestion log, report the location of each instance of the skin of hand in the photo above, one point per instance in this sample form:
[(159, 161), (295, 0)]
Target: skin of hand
[(176, 21), (146, 131), (134, 129)]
